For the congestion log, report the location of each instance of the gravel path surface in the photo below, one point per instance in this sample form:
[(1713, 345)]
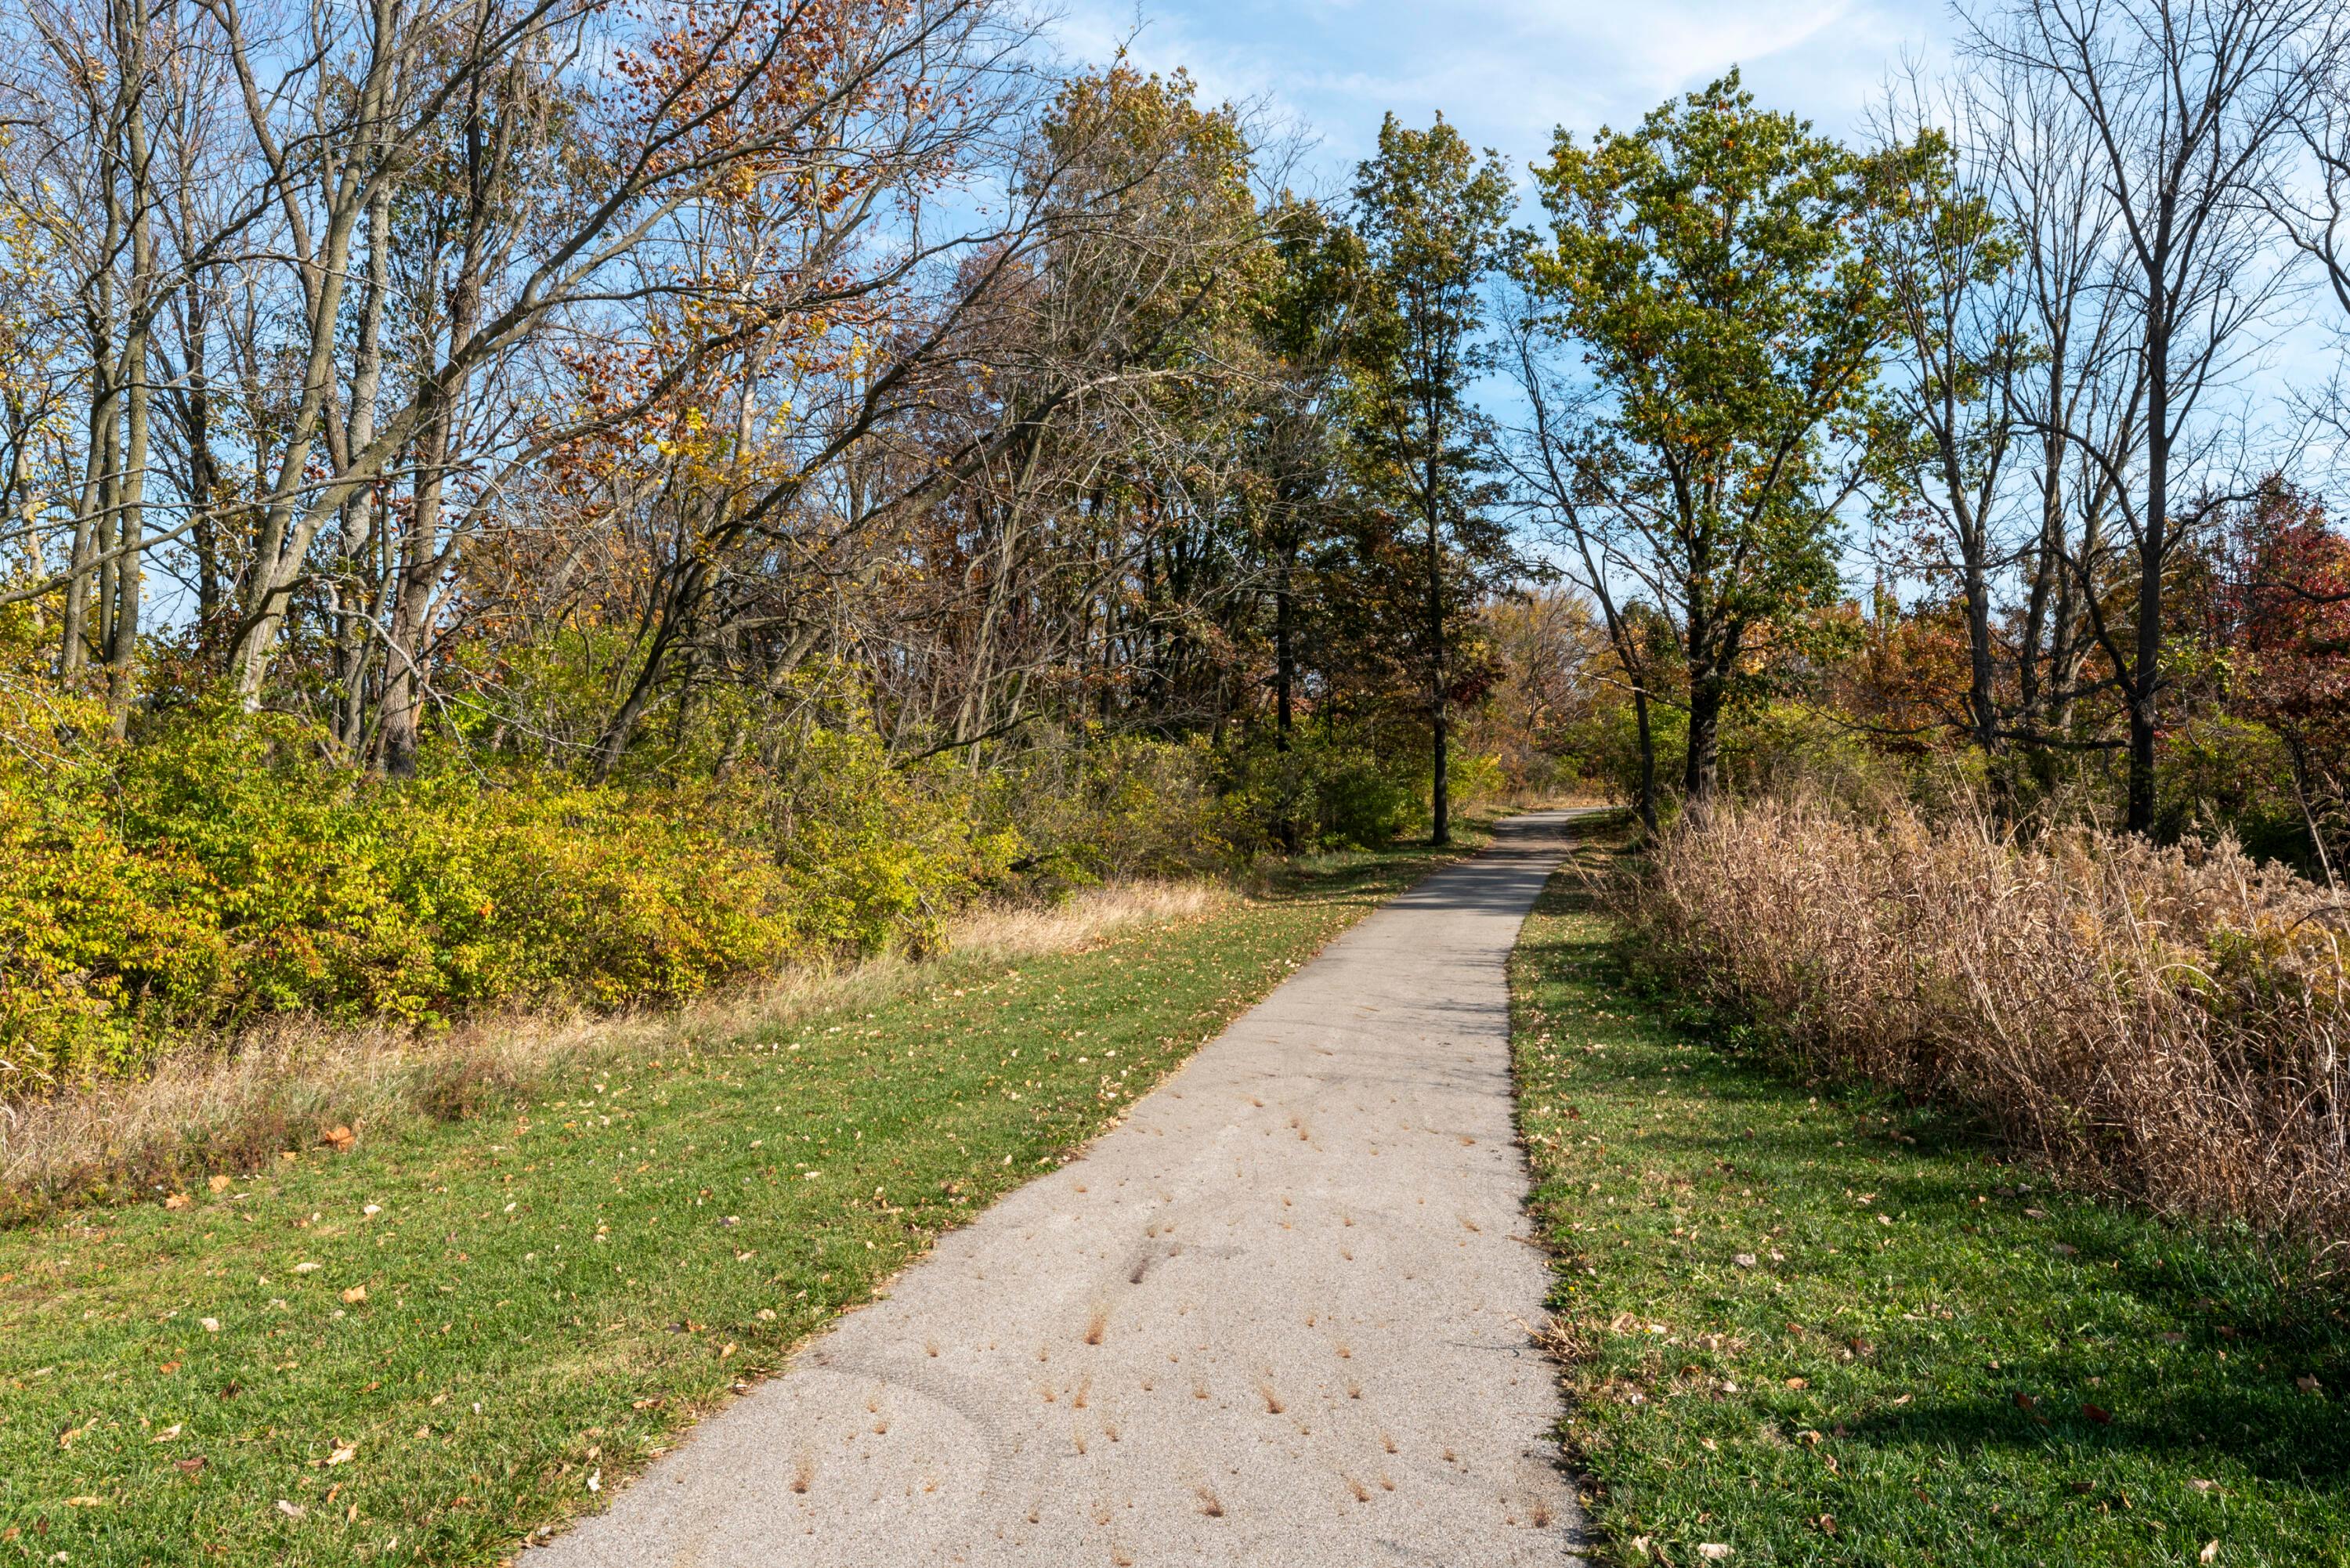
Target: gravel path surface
[(1278, 1316)]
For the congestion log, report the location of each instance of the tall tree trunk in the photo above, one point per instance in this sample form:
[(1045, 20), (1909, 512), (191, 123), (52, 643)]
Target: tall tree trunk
[(419, 568), (2145, 683), (139, 308), (1710, 656), (203, 486), (356, 587), (2048, 567), (1284, 661), (1647, 735), (1284, 677), (424, 556), (1982, 707), (1702, 773), (1440, 791), (73, 652), (110, 515)]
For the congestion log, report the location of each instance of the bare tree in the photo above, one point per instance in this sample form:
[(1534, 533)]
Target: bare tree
[(1956, 343), (2188, 106), (1561, 468)]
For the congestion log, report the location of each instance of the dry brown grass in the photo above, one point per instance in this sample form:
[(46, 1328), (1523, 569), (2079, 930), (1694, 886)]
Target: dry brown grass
[(231, 1106), (2167, 1023)]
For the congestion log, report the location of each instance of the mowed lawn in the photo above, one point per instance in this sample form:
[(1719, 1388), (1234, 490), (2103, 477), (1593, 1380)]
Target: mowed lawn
[(425, 1348), (1806, 1325)]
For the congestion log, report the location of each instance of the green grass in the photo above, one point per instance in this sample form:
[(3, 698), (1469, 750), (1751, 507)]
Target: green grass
[(553, 1291), (1814, 1327)]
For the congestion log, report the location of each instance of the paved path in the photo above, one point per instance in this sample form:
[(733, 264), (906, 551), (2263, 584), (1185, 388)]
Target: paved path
[(1277, 1317)]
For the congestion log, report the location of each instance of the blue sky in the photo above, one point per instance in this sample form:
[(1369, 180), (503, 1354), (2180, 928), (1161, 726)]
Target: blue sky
[(1507, 71)]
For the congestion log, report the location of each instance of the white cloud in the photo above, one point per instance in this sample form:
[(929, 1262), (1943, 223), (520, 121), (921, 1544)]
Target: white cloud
[(1508, 71)]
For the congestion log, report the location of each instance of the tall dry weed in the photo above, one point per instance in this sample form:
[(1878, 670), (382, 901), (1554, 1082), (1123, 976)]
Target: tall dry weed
[(292, 1082), (2167, 1023)]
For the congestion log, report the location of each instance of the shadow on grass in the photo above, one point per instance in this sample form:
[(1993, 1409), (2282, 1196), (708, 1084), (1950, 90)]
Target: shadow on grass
[(2137, 1343)]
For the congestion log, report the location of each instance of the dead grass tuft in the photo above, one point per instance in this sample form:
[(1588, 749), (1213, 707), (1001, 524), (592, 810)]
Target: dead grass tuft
[(225, 1106), (2169, 1023)]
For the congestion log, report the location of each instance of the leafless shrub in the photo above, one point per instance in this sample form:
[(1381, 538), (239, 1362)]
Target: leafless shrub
[(2168, 1023)]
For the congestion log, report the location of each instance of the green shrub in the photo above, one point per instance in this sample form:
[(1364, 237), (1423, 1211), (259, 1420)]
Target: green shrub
[(1086, 806), (225, 866), (1332, 787)]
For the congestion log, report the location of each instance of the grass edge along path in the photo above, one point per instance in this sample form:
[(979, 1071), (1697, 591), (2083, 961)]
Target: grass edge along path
[(1802, 1324), (448, 1340)]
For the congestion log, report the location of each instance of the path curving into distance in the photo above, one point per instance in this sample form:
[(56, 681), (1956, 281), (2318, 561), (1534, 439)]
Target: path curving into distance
[(1278, 1316)]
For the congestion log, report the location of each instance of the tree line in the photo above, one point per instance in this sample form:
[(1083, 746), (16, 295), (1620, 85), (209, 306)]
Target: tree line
[(2008, 353), (589, 384), (615, 389)]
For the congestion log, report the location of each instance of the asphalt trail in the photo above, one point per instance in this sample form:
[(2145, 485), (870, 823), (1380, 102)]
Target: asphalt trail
[(1279, 1316)]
